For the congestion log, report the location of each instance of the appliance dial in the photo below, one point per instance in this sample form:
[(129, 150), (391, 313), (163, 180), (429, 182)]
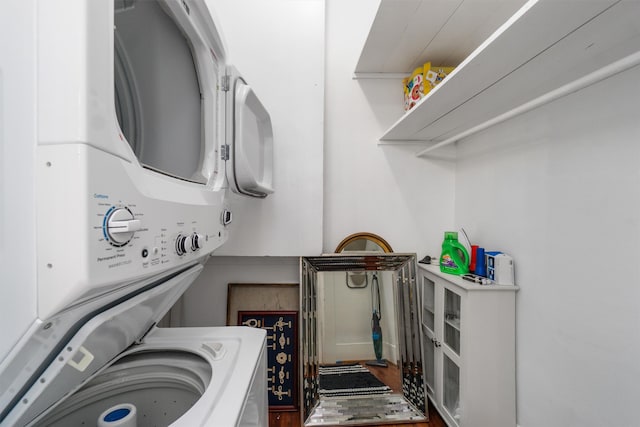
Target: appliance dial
[(197, 241), (183, 243), (121, 226)]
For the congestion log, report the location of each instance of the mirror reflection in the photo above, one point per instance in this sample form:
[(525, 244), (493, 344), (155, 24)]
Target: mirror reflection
[(361, 242), (361, 354), (355, 323)]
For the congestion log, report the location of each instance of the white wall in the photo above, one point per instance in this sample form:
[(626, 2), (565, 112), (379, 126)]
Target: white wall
[(380, 189), (205, 303), (18, 137), (278, 46), (559, 189)]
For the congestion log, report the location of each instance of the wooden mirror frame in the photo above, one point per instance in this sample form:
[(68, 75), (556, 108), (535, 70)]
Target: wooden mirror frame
[(386, 247)]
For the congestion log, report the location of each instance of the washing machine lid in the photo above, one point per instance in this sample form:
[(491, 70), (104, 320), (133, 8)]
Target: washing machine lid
[(77, 343), (249, 140)]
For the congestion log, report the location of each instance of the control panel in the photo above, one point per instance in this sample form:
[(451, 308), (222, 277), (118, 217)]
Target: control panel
[(116, 223), (131, 237)]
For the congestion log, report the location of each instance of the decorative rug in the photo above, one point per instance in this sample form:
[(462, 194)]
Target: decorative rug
[(349, 380)]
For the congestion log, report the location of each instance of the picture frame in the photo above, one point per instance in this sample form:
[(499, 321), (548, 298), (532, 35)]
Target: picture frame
[(261, 296), (275, 308), (282, 354)]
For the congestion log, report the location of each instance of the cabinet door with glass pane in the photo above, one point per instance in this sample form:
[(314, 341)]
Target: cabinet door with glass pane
[(441, 342), (429, 334), (451, 352)]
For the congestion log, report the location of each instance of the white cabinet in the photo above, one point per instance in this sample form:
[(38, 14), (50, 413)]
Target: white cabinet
[(546, 50), (468, 334)]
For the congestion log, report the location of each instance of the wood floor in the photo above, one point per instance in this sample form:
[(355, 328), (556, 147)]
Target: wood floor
[(391, 377)]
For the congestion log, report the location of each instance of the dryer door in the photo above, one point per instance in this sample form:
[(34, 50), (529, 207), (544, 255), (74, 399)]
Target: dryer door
[(249, 140)]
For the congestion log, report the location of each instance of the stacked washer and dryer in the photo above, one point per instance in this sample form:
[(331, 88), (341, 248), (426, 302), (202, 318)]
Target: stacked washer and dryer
[(123, 132)]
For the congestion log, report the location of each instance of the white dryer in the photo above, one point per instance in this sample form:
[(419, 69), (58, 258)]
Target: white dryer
[(123, 132)]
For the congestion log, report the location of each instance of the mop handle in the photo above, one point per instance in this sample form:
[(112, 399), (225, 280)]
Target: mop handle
[(375, 287)]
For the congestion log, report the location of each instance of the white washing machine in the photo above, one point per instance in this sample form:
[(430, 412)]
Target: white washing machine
[(123, 133)]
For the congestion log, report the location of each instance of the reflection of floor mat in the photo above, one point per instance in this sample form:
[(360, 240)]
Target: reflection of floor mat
[(349, 380), (359, 409)]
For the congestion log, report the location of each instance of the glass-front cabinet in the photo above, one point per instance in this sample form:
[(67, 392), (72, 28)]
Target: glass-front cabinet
[(441, 343), (468, 335)]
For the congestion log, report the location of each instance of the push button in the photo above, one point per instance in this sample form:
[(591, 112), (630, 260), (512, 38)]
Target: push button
[(227, 217)]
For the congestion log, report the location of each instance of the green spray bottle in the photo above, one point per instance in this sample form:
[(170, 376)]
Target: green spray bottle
[(454, 258)]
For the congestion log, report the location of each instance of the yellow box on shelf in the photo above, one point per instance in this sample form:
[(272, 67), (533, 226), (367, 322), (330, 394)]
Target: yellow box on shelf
[(421, 81)]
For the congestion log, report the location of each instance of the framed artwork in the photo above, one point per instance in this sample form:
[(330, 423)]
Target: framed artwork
[(261, 297), (282, 345), (273, 307)]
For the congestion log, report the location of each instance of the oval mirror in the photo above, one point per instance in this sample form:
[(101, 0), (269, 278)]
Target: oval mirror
[(363, 242)]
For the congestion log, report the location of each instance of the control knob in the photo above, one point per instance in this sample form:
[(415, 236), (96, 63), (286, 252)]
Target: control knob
[(183, 243), (121, 226), (197, 241)]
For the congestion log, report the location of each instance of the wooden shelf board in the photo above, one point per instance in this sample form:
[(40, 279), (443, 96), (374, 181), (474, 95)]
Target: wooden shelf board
[(521, 61), (407, 33)]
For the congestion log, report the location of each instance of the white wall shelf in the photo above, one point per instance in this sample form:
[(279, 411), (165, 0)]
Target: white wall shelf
[(544, 46), (407, 33)]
